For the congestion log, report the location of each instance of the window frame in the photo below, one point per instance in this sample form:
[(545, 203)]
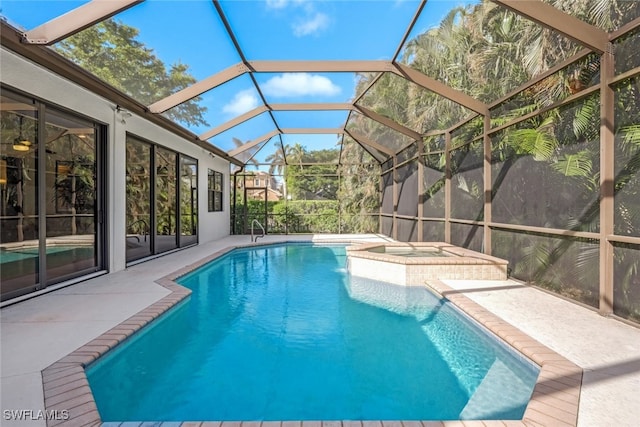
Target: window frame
[(215, 185)]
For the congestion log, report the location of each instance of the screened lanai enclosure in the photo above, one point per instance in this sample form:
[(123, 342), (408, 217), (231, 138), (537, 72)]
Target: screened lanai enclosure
[(508, 127)]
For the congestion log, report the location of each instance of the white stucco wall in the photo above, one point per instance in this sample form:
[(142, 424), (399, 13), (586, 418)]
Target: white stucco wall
[(21, 74)]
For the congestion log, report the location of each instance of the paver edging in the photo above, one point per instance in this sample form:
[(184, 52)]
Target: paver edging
[(556, 395), (68, 398), (64, 382)]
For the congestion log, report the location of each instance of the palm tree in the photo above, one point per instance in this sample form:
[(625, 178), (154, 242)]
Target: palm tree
[(297, 153), (278, 161), (442, 53), (247, 157)]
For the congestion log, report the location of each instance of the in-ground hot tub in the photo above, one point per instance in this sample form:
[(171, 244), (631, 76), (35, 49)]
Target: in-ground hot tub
[(412, 264)]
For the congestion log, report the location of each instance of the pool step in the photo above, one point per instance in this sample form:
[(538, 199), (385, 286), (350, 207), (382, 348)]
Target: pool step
[(496, 396)]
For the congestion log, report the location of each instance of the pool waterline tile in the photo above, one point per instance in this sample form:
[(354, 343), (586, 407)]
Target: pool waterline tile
[(555, 397)]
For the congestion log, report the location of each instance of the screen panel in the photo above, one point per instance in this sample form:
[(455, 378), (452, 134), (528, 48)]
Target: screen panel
[(467, 236), (545, 171), (433, 184), (387, 225), (564, 265), (432, 231), (387, 193), (467, 183), (627, 158), (408, 189), (626, 281), (407, 230)]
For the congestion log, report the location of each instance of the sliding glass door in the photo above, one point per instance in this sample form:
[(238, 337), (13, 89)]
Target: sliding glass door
[(71, 217), (19, 233), (162, 192), (51, 195), (188, 201), (166, 202), (139, 191)]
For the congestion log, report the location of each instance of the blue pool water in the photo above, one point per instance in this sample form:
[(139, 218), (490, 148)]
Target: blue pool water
[(283, 333)]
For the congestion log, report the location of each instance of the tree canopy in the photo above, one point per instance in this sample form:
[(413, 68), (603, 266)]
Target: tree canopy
[(111, 51), (308, 181)]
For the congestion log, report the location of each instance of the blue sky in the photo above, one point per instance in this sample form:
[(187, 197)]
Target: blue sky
[(190, 32)]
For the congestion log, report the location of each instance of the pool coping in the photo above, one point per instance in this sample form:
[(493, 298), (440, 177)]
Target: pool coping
[(67, 394)]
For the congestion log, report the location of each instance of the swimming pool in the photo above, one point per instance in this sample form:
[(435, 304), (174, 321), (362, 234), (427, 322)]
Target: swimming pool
[(283, 333)]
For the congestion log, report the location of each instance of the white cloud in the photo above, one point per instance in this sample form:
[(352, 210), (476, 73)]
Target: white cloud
[(242, 102), (277, 4), (281, 4), (309, 21), (314, 24), (300, 84)]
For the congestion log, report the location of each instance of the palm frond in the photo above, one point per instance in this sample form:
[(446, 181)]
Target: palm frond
[(534, 262), (631, 135), (577, 164), (586, 123), (539, 144)]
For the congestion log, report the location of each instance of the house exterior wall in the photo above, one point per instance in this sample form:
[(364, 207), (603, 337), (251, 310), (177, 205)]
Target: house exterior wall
[(25, 76)]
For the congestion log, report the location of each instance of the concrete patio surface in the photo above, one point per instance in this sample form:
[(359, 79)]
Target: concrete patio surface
[(37, 332)]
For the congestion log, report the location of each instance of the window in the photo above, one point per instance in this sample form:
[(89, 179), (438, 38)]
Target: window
[(214, 187)]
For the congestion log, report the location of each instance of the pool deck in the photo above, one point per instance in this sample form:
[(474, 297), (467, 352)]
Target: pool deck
[(40, 331)]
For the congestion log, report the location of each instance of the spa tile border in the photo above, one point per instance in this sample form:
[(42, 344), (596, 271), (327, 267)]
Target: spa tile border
[(66, 388), (464, 256)]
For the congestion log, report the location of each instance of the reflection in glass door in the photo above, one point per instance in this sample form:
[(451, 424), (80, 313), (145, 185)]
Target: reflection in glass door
[(19, 234), (71, 211), (138, 199), (51, 194), (155, 184), (166, 203), (188, 201)]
